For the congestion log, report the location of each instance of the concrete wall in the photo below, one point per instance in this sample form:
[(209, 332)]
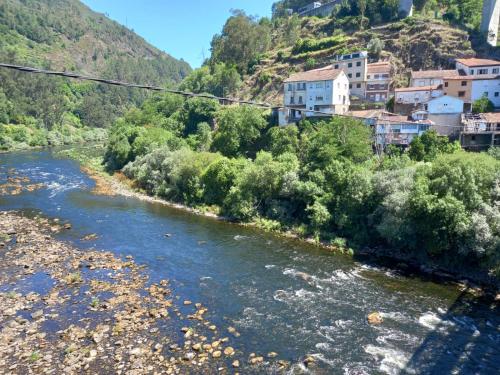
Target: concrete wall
[(323, 11), (445, 105), (405, 8), (490, 20), (489, 86)]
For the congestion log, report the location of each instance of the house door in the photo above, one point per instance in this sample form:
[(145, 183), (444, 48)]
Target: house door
[(377, 97)]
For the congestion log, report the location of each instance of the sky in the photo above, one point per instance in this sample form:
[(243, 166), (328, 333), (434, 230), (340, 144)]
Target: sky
[(182, 28)]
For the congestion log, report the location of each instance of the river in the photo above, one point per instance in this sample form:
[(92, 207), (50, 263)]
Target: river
[(282, 295)]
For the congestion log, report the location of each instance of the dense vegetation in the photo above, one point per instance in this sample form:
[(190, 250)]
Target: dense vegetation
[(320, 179), (66, 35)]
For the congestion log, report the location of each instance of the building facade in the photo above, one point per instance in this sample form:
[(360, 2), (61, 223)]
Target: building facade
[(390, 128), (378, 82), (430, 77), (417, 95), (477, 67), (480, 131), (459, 87), (318, 9), (355, 66), (315, 93), (488, 86)]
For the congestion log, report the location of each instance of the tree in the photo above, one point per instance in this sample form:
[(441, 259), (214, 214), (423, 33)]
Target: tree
[(429, 145), (483, 105), (241, 41), (375, 47), (239, 128)]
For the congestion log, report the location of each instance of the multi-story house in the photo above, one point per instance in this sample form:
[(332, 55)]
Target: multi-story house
[(430, 77), (355, 66), (378, 81), (459, 86), (318, 9), (480, 131), (390, 128), (445, 113), (477, 67), (315, 93), (486, 85)]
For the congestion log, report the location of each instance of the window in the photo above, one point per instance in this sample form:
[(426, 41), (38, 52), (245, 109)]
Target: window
[(336, 66), (464, 83), (472, 71), (301, 86), (350, 85), (494, 71), (355, 55), (290, 87), (292, 100), (461, 94), (482, 71), (300, 99), (319, 98), (358, 63), (349, 65), (319, 85), (358, 75), (496, 94), (385, 75), (485, 94), (358, 85), (376, 76), (446, 84), (368, 76), (350, 75)]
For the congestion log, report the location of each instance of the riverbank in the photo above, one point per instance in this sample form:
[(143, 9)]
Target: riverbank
[(474, 282), (67, 310)]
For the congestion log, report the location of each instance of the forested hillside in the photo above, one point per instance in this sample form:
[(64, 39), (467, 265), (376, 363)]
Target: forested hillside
[(67, 35), (251, 57)]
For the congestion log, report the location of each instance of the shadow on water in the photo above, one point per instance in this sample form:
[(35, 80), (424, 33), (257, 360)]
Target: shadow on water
[(458, 344)]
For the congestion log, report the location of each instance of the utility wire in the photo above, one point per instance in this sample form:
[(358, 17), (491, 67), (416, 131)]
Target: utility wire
[(73, 75)]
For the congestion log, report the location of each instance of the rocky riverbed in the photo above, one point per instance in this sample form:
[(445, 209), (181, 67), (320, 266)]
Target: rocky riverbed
[(64, 310)]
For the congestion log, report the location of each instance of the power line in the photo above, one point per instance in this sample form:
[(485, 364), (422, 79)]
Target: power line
[(72, 75)]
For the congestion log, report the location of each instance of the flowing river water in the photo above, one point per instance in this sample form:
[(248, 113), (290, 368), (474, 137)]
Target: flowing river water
[(282, 295)]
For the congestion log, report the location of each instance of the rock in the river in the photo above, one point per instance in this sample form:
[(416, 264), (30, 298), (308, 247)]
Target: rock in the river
[(67, 226), (272, 355), (236, 364), (217, 354), (37, 314), (229, 351), (256, 360), (374, 318)]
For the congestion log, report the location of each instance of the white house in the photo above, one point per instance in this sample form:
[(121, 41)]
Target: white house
[(477, 67), (417, 95), (489, 86), (315, 93), (430, 77), (445, 113)]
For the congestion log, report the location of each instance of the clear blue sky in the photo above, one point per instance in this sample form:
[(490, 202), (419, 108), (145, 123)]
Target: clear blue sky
[(182, 28)]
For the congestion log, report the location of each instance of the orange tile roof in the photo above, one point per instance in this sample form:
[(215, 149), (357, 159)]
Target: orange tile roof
[(422, 74), (315, 75), (474, 62), (379, 67), (417, 88)]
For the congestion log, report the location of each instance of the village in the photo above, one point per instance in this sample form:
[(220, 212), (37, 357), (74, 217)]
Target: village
[(442, 100)]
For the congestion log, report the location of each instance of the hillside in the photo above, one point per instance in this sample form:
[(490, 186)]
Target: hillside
[(252, 56), (68, 35), (415, 43)]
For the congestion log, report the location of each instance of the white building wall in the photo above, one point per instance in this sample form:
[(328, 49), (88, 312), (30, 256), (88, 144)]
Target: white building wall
[(490, 87), (474, 71), (417, 97), (419, 82), (445, 105)]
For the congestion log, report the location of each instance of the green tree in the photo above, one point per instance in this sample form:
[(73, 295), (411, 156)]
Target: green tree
[(239, 129), (483, 105)]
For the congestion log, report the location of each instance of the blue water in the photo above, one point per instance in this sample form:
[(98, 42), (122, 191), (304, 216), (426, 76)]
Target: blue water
[(281, 295)]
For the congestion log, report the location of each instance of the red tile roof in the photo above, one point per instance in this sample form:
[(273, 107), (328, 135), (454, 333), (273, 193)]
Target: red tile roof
[(422, 74), (315, 75), (474, 62)]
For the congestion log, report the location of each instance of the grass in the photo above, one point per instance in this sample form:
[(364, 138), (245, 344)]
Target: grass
[(35, 356)]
